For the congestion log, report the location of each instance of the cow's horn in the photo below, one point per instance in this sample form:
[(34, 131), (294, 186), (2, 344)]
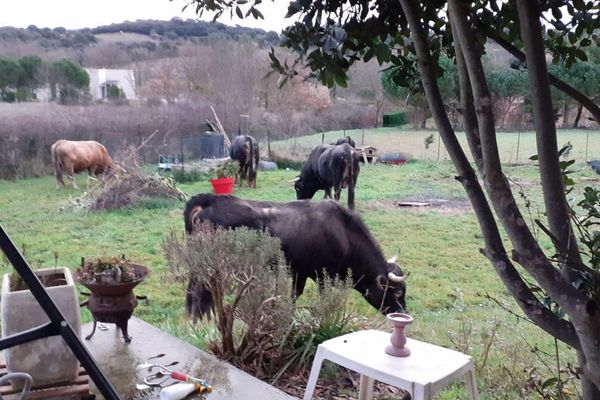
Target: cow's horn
[(393, 259), (396, 278), (294, 180)]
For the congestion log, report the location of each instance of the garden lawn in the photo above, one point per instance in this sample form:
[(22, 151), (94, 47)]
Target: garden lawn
[(452, 288), (515, 147)]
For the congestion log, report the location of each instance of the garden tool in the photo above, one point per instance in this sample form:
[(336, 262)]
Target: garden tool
[(182, 390), (16, 376), (147, 363)]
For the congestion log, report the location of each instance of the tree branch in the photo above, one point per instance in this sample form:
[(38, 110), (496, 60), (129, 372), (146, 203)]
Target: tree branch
[(555, 200), (493, 241)]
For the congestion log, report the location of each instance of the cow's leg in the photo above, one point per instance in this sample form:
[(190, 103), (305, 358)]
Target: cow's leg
[(59, 179), (298, 284), (337, 189), (351, 195), (327, 193), (71, 176)]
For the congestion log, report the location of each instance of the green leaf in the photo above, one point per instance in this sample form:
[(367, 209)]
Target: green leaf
[(534, 157), (340, 79), (549, 382), (239, 13), (556, 13), (369, 54)]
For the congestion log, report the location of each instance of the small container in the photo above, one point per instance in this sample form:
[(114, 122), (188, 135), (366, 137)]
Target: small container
[(399, 322)]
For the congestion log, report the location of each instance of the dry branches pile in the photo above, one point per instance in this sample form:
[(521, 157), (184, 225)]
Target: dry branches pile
[(128, 187)]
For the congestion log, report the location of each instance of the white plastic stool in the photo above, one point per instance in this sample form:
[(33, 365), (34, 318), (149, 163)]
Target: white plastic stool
[(428, 369)]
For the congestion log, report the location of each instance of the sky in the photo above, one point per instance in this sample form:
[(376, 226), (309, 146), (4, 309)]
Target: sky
[(76, 14)]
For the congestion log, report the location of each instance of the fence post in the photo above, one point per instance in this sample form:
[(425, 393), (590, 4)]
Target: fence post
[(322, 137), (181, 140), (269, 144), (518, 144), (587, 142), (438, 155), (363, 137)]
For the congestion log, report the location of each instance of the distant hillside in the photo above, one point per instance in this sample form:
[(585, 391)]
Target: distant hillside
[(178, 28), (121, 44), (154, 30)]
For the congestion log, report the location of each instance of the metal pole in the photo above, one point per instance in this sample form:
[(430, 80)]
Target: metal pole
[(58, 324), (363, 137), (438, 156), (322, 137)]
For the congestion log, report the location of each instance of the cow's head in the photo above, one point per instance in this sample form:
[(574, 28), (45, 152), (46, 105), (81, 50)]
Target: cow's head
[(305, 188), (387, 292)]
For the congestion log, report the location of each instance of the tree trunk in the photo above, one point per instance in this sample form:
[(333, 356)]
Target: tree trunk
[(494, 248), (555, 200), (577, 117), (582, 311)]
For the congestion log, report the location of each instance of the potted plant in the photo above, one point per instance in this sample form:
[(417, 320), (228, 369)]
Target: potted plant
[(225, 180), (111, 281), (47, 360)]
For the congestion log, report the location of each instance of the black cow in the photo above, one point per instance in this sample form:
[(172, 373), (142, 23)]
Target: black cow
[(329, 166), (318, 240), (346, 139), (244, 149), (595, 164)]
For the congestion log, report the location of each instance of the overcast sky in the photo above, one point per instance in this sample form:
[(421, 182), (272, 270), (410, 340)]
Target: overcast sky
[(76, 14)]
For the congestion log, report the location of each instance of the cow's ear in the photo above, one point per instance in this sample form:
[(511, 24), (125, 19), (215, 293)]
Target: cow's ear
[(382, 282)]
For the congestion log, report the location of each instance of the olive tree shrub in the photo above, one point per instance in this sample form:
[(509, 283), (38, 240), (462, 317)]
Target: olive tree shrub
[(261, 328)]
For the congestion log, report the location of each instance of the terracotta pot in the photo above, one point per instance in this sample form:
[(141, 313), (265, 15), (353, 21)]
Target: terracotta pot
[(47, 360)]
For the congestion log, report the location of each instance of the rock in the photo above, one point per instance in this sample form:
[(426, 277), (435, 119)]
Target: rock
[(267, 166)]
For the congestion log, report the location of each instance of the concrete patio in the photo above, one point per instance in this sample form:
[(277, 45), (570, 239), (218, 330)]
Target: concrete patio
[(118, 361)]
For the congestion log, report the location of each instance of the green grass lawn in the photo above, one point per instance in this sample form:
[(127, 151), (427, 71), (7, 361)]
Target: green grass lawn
[(449, 287), (515, 147)]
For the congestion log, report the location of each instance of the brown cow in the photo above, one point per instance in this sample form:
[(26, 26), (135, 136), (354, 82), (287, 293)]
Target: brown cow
[(76, 156)]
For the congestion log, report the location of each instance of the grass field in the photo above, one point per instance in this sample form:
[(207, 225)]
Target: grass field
[(515, 147), (450, 286)]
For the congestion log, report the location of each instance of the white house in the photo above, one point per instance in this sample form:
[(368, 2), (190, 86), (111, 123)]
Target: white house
[(101, 79)]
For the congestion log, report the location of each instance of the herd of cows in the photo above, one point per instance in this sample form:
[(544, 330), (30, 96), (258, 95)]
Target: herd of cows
[(319, 240)]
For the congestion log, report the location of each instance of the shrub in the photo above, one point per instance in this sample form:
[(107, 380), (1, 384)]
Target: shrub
[(244, 272), (261, 329), (395, 119), (189, 176)]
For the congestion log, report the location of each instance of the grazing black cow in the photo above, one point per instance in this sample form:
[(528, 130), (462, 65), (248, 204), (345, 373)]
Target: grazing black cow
[(318, 240), (346, 139), (244, 149), (329, 166), (595, 164)]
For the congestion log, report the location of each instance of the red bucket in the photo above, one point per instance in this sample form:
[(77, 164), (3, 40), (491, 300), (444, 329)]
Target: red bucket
[(223, 185)]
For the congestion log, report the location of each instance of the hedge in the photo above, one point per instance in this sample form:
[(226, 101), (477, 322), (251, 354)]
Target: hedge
[(394, 119)]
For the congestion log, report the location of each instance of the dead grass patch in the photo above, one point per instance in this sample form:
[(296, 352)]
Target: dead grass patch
[(441, 205)]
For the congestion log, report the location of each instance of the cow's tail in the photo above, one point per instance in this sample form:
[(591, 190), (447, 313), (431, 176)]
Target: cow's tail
[(253, 161), (193, 208), (56, 162), (351, 180), (198, 300)]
